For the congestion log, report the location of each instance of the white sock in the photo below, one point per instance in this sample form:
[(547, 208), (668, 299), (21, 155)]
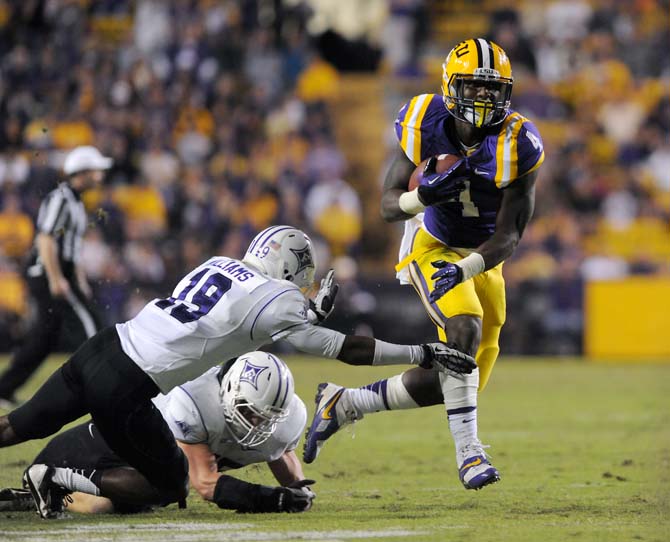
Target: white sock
[(74, 480), (387, 394), (460, 400), (463, 426)]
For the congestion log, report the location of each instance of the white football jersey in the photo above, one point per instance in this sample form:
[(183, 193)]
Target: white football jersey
[(219, 311), (194, 414)]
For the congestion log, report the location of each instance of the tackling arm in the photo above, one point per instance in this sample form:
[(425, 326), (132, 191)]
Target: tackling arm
[(233, 494), (202, 469), (287, 469), (358, 350)]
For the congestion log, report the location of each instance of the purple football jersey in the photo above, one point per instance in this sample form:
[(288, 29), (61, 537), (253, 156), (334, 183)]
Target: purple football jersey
[(509, 151)]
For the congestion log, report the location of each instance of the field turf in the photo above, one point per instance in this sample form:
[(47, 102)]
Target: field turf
[(583, 449)]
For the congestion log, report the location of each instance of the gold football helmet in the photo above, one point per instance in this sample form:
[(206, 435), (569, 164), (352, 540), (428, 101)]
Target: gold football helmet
[(477, 82)]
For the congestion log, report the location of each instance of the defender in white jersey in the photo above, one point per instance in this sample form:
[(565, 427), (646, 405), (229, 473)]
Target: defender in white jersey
[(210, 418), (220, 310)]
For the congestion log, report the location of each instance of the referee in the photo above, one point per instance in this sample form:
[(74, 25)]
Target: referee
[(56, 281)]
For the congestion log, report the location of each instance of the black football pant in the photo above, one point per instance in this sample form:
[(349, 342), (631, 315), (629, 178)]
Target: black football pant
[(72, 320), (102, 380), (83, 447)]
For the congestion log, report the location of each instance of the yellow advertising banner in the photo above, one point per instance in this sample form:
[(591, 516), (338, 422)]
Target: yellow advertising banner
[(627, 319)]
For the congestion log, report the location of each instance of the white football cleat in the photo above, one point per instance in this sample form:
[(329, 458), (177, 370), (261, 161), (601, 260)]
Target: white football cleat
[(47, 495), (475, 471)]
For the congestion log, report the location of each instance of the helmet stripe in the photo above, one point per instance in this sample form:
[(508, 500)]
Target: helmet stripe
[(266, 235), (492, 55), (479, 53), (484, 53), (280, 371)]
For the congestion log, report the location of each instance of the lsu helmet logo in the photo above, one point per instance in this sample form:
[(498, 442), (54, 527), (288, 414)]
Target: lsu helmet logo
[(250, 373)]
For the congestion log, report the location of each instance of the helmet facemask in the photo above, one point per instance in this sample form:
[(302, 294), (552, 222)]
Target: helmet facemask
[(474, 65), (477, 112), (250, 425), (255, 395)]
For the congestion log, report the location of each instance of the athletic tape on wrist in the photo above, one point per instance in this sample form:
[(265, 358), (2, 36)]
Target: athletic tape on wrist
[(472, 265), (409, 202)]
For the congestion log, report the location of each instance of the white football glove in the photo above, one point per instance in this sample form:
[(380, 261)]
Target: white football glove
[(324, 301)]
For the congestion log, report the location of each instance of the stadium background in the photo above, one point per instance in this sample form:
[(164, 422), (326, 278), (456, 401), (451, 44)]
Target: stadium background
[(226, 117)]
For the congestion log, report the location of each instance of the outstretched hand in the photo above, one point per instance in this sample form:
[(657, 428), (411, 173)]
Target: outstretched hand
[(324, 301)]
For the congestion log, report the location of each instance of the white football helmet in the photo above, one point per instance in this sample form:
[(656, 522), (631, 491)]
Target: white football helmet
[(255, 395), (283, 252)]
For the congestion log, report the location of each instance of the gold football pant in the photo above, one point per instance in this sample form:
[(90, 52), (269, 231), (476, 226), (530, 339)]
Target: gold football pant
[(482, 296)]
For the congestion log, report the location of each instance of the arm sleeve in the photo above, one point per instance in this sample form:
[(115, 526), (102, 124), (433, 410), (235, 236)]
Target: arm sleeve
[(286, 318), (289, 432), (415, 122), (299, 416), (316, 340), (530, 149), (287, 310)]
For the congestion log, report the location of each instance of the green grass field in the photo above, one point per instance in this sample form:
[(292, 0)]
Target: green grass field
[(583, 449)]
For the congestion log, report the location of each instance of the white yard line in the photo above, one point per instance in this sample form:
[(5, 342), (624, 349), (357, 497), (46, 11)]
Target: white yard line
[(192, 532)]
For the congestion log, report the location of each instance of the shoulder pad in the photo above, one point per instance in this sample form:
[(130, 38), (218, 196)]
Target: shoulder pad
[(519, 149), (416, 121)]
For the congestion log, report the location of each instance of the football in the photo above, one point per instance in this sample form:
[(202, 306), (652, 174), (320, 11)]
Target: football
[(444, 162)]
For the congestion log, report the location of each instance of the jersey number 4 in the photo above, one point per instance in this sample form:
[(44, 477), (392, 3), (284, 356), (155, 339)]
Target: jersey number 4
[(199, 301)]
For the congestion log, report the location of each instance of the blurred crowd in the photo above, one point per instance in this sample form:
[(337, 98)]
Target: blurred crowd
[(216, 114), (215, 120), (594, 77)]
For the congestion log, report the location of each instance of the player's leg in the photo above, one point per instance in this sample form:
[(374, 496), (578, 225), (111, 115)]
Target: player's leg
[(83, 465), (37, 343), (56, 403), (337, 406), (490, 288), (141, 436), (119, 396), (458, 316)]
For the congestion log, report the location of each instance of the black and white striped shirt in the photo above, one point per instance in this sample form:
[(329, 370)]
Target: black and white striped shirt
[(61, 215)]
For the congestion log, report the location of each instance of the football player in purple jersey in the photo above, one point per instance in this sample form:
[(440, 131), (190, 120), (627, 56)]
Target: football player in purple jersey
[(460, 226)]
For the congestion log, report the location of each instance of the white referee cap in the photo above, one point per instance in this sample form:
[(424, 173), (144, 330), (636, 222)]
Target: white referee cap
[(85, 158)]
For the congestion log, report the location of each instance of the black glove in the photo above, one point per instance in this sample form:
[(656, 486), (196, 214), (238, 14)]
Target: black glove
[(446, 357), (296, 497), (324, 301), (438, 188), (233, 494)]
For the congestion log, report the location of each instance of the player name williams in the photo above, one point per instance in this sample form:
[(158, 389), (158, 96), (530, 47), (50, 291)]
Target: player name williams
[(235, 270)]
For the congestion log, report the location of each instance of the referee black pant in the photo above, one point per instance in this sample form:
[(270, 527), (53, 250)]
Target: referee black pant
[(72, 319)]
